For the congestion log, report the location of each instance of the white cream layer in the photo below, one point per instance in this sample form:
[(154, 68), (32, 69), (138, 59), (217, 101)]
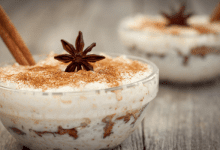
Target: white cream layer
[(127, 78)]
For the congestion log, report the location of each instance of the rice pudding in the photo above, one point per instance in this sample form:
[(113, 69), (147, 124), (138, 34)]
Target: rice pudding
[(183, 53), (44, 107)]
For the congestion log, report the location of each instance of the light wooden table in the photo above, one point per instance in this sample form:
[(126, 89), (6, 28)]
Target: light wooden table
[(180, 117)]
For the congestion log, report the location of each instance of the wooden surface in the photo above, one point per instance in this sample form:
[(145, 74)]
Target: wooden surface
[(180, 118)]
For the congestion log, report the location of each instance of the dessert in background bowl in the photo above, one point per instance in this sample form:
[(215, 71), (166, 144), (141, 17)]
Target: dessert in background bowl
[(95, 103), (185, 48)]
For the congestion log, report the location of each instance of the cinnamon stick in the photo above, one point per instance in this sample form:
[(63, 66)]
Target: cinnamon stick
[(15, 36), (12, 47), (215, 16)]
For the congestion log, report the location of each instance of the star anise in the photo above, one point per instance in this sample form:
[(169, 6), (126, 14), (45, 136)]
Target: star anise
[(178, 18), (78, 58)]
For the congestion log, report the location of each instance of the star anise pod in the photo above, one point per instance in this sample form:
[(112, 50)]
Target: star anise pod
[(178, 18), (78, 58)]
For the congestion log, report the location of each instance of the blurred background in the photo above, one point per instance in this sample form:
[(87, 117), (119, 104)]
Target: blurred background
[(43, 23)]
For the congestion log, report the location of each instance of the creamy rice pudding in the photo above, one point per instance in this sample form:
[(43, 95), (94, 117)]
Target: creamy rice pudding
[(182, 53), (44, 107)]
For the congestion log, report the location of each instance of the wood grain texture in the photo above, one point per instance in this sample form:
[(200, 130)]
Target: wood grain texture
[(184, 118), (180, 118)]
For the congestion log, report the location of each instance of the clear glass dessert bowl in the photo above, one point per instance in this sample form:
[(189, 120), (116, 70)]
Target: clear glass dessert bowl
[(183, 54), (93, 119)]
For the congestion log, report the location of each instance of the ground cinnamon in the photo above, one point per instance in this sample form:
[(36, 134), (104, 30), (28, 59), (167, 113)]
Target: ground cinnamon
[(15, 37), (111, 71), (174, 30)]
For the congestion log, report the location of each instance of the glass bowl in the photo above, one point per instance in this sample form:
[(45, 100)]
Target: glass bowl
[(94, 119), (183, 56)]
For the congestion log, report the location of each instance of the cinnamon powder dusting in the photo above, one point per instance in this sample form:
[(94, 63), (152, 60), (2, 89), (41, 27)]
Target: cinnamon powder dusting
[(174, 30), (203, 30), (111, 71)]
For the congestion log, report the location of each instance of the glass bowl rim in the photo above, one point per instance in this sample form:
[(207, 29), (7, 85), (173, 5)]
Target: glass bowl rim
[(124, 28), (154, 68)]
